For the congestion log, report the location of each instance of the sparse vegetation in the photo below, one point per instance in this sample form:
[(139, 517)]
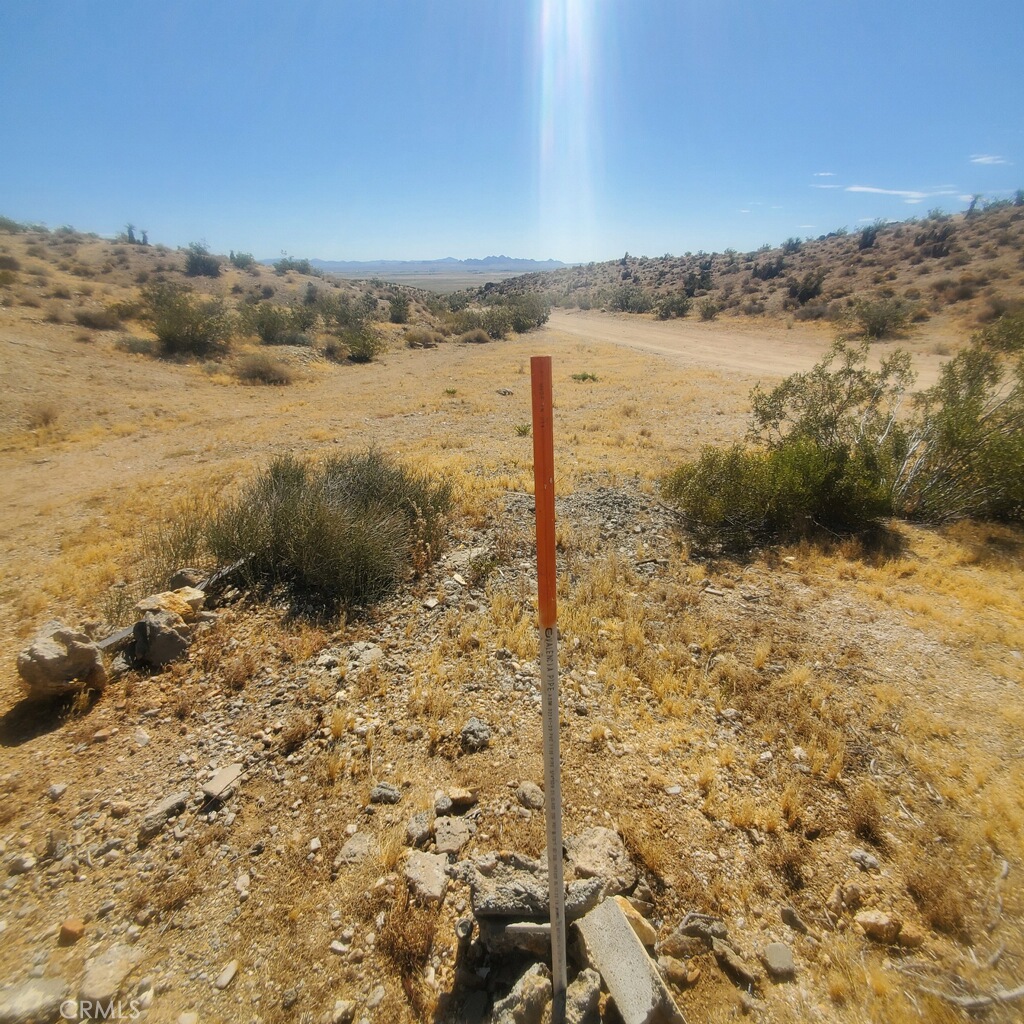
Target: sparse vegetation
[(200, 263)]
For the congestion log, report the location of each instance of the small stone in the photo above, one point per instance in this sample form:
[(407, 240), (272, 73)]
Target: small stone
[(141, 737), (71, 930), (793, 919), (376, 997), (21, 864), (879, 926), (35, 999), (156, 817), (529, 794), (417, 831), (223, 783), (188, 1018), (864, 860), (442, 803), (476, 735), (120, 809), (289, 997), (674, 790), (462, 799), (57, 790), (778, 960), (315, 844), (734, 965), (106, 972), (674, 971), (243, 883), (226, 976), (355, 850), (344, 1011), (911, 936), (385, 793)]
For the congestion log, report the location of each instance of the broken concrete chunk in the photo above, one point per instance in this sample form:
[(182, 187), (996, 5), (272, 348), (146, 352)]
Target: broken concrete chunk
[(426, 877), (500, 938), (451, 834), (600, 853), (582, 997), (609, 945), (526, 1002)]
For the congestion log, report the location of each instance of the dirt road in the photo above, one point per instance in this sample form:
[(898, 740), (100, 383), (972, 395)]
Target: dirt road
[(751, 347)]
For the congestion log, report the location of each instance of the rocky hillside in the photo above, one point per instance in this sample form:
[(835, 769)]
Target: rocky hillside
[(969, 264)]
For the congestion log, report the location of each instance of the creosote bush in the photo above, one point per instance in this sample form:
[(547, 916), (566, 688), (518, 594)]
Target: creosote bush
[(836, 451), (186, 325), (342, 532), (262, 368)]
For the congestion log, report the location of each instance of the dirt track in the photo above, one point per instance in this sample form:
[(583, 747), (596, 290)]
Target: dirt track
[(751, 348)]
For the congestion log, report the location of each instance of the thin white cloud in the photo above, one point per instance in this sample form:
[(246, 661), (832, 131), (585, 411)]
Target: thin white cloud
[(825, 186), (908, 195), (744, 211), (824, 174), (988, 158)]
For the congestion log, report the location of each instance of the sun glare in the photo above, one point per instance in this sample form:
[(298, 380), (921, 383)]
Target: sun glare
[(566, 128)]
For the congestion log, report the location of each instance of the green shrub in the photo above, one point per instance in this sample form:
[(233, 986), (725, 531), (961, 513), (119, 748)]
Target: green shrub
[(288, 265), (186, 325), (1005, 334), (241, 260), (708, 308), (398, 308), (631, 298), (808, 287), (199, 262), (262, 368), (677, 305), (341, 533), (11, 227), (881, 318), (363, 342)]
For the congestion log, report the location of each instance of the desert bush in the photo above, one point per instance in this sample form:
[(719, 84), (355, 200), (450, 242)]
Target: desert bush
[(476, 336), (868, 236), (422, 337), (881, 318), (199, 262), (98, 319), (497, 321), (630, 298), (677, 305), (342, 532), (186, 325), (268, 322), (1004, 335), (808, 287), (708, 308), (363, 342), (528, 311), (935, 241), (11, 227), (769, 269), (262, 368), (289, 265), (792, 245), (241, 260), (9, 262), (136, 346), (42, 414)]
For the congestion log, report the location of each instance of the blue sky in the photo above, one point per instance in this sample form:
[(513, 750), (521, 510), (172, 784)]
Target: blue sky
[(542, 128)]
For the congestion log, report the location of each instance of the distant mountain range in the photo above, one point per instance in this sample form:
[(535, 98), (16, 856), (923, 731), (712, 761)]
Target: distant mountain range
[(447, 266)]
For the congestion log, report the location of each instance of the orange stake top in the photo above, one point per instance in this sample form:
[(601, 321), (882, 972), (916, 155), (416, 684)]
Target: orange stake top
[(544, 488)]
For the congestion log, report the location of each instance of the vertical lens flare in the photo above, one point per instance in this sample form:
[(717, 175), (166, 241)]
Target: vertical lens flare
[(566, 127)]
